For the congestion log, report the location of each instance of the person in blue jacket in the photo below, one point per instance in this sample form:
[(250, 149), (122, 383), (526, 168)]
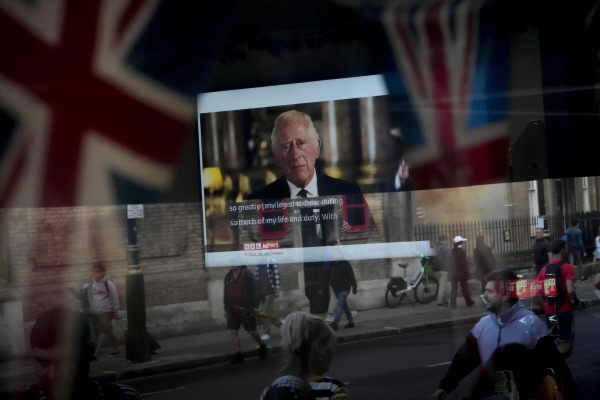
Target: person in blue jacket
[(508, 326), (576, 247)]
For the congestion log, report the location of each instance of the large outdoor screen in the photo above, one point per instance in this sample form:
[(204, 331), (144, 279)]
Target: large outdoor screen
[(361, 146)]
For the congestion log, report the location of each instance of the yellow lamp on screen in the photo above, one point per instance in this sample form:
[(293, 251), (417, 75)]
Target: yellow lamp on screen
[(212, 178)]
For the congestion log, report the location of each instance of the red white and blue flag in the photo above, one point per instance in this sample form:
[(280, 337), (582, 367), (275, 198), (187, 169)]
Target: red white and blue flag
[(451, 92), (88, 112), (95, 104)]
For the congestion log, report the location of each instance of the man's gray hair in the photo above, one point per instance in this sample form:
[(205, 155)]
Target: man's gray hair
[(292, 115)]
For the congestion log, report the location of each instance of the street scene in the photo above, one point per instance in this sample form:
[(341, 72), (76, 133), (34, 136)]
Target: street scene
[(408, 348), (400, 352), (412, 363)]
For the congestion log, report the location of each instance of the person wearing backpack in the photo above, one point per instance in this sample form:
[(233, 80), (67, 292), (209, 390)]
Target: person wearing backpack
[(104, 305), (241, 301), (565, 301)]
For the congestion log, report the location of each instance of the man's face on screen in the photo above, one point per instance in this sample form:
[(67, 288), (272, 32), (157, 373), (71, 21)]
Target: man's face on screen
[(296, 152)]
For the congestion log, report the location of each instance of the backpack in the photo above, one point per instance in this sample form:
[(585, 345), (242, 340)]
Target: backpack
[(108, 292), (250, 281), (553, 272)]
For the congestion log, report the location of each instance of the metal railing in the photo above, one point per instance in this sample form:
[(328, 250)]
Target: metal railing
[(511, 239)]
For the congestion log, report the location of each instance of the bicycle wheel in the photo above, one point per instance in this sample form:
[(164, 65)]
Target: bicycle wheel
[(424, 293), (392, 300)]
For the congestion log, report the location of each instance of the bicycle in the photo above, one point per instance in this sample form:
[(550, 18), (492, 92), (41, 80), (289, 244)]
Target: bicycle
[(423, 285)]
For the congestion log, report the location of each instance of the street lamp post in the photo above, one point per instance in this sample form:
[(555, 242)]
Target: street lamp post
[(137, 343)]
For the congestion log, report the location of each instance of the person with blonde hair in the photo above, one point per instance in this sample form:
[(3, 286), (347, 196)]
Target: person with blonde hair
[(308, 342)]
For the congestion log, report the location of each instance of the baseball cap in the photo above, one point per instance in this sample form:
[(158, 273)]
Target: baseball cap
[(459, 239)]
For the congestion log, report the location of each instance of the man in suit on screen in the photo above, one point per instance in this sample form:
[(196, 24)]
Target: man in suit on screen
[(296, 145)]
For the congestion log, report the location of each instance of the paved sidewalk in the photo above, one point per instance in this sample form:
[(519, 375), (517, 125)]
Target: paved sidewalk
[(215, 347)]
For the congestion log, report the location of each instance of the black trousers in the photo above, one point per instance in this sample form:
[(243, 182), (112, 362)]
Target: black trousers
[(465, 291), (316, 287)]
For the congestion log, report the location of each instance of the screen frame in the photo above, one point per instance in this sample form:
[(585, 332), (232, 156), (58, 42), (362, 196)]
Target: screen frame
[(289, 94)]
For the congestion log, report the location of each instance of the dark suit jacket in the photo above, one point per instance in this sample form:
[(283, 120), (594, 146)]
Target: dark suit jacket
[(326, 185), (390, 185)]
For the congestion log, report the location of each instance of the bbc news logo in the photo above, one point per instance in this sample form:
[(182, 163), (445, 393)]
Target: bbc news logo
[(261, 246)]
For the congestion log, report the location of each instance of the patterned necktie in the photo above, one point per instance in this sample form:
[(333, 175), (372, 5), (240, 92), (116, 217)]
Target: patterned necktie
[(309, 226)]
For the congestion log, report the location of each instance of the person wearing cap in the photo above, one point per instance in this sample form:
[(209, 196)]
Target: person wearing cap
[(459, 273)]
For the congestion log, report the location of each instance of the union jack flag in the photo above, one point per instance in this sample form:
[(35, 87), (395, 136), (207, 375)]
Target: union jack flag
[(451, 93), (88, 114)]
